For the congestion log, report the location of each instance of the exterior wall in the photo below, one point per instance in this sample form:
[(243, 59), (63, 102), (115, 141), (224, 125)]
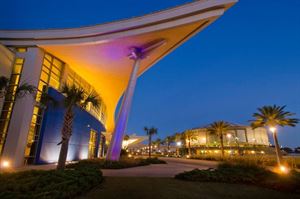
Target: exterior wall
[(6, 63), (22, 112), (50, 135)]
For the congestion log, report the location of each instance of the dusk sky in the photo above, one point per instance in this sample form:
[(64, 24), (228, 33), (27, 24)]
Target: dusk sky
[(248, 58)]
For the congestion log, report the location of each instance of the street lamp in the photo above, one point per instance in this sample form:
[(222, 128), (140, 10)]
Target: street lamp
[(277, 147), (272, 129)]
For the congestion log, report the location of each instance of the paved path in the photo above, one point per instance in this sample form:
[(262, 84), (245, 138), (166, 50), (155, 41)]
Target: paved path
[(174, 166)]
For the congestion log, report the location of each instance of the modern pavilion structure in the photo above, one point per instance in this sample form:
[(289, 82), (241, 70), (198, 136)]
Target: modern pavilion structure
[(106, 59)]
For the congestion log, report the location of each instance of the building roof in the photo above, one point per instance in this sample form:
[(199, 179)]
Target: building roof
[(100, 53)]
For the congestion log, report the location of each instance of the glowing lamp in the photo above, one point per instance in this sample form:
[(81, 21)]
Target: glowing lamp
[(272, 129), (5, 164), (283, 169)]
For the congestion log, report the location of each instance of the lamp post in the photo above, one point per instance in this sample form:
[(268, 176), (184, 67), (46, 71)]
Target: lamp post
[(178, 146), (277, 147)]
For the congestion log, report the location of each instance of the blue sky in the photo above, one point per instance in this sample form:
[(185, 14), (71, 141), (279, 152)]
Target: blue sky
[(248, 58)]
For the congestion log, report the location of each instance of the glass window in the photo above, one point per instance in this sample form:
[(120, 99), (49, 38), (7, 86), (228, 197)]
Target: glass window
[(19, 61), (17, 69), (48, 57), (44, 76), (21, 50)]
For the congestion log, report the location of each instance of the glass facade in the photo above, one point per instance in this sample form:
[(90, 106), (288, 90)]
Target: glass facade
[(92, 144), (9, 100), (244, 136), (51, 73), (74, 78)]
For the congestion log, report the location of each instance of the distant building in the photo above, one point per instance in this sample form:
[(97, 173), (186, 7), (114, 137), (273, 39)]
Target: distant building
[(238, 135)]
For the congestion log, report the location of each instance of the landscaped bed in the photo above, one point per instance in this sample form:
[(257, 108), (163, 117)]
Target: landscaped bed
[(246, 174), (123, 163), (262, 160), (49, 184)]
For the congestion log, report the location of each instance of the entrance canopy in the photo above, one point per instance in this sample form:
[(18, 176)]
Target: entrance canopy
[(100, 53)]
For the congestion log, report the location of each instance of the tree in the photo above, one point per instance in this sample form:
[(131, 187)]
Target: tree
[(150, 132), (157, 143), (271, 117), (169, 140), (22, 90), (74, 96), (218, 128), (189, 136), (3, 85)]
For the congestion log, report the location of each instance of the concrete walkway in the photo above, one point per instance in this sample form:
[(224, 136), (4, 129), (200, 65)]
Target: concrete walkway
[(173, 167)]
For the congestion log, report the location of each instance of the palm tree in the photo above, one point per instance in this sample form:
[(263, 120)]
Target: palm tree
[(169, 140), (150, 132), (157, 143), (219, 128), (25, 89), (22, 90), (74, 96), (271, 117), (3, 85), (189, 136)]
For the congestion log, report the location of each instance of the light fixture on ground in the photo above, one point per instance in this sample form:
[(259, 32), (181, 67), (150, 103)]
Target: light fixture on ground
[(5, 164)]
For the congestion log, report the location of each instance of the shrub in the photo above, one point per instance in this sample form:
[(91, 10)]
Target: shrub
[(260, 160), (245, 174), (123, 163), (155, 161), (48, 184)]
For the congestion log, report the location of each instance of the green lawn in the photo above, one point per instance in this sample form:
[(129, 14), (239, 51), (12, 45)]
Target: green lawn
[(169, 188)]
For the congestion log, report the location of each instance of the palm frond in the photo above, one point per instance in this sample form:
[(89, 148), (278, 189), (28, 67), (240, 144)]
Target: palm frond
[(3, 82), (93, 99), (273, 116), (25, 89)]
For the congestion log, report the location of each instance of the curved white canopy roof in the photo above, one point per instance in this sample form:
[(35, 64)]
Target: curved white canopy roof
[(100, 53)]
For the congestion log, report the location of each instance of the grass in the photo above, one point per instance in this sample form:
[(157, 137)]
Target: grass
[(169, 188), (50, 184), (122, 164), (245, 174)]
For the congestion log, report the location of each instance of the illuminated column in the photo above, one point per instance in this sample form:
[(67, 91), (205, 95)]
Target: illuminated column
[(116, 143)]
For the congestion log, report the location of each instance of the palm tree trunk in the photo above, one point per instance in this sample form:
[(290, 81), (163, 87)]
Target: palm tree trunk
[(277, 148), (63, 155), (222, 145), (149, 146), (190, 147), (66, 134)]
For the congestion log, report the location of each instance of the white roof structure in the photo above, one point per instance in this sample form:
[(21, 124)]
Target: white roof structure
[(100, 53)]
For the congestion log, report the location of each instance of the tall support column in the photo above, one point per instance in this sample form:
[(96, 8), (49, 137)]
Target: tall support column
[(118, 135)]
